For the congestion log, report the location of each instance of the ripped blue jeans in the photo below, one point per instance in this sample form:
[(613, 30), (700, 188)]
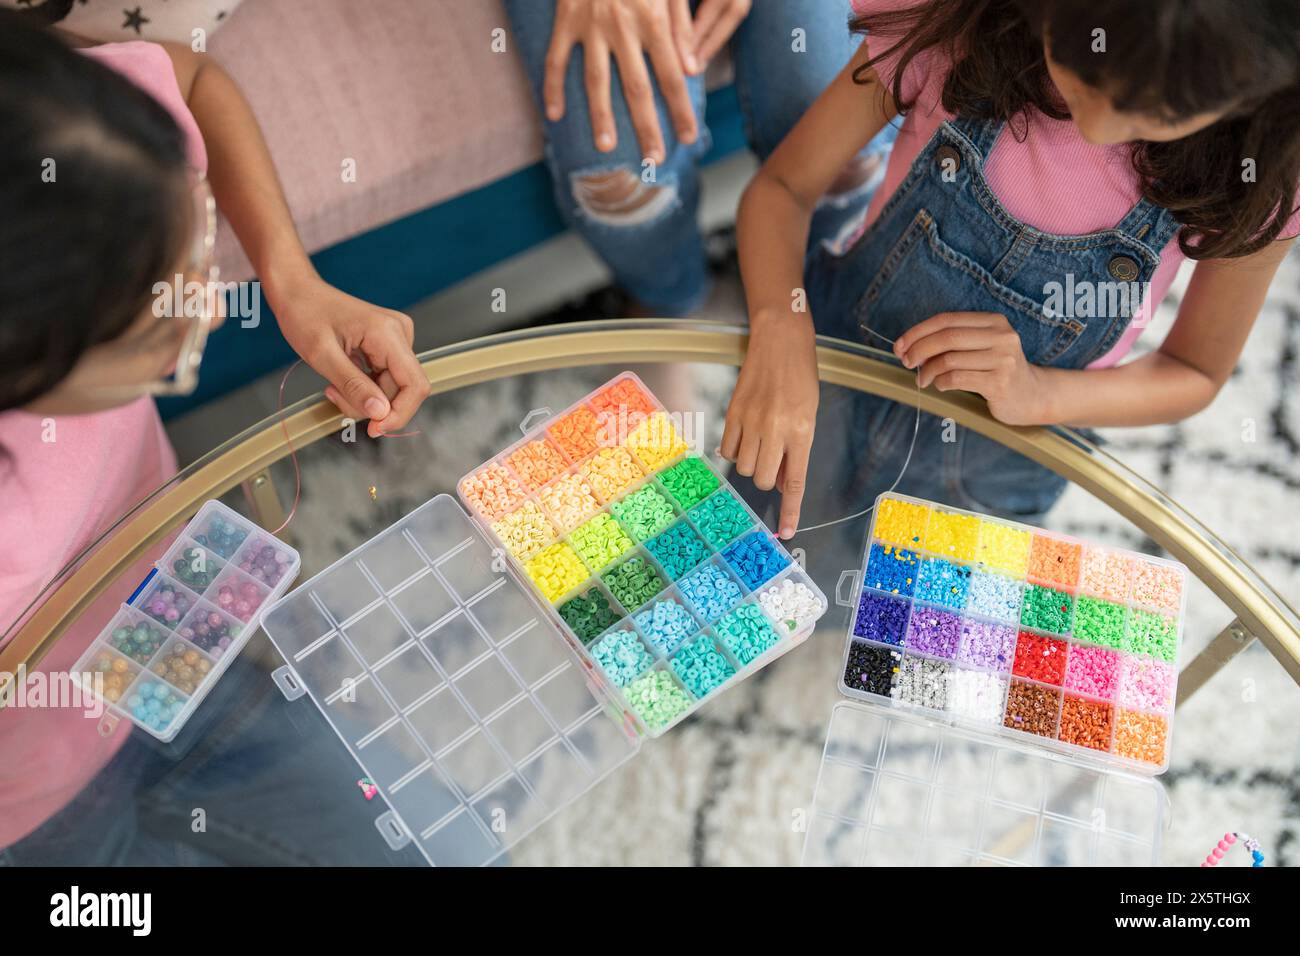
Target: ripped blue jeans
[(784, 55)]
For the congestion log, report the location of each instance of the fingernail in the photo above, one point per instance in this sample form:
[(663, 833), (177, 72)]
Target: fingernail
[(605, 140), (553, 112), (376, 408), (787, 532), (692, 63)]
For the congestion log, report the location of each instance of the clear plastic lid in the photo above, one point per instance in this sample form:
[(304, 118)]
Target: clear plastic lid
[(898, 789), (445, 680)]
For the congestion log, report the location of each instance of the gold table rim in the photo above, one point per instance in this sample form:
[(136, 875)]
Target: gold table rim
[(1259, 608)]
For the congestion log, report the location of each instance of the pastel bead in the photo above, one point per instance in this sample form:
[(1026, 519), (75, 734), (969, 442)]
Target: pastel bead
[(721, 519), (746, 633), (493, 492), (656, 442), (525, 531)]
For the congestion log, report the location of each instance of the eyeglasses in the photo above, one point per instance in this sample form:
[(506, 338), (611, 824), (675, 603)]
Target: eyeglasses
[(196, 314)]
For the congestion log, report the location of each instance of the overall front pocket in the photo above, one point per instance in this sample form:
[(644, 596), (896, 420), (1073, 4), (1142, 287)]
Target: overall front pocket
[(922, 276)]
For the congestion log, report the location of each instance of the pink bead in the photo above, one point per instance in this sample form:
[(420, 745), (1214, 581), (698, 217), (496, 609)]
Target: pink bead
[(171, 614), (214, 619), (1223, 844), (1217, 853), (1230, 838)]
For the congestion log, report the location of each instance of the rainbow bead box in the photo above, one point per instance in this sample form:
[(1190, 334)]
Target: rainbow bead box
[(1035, 635), (187, 620), (653, 568)]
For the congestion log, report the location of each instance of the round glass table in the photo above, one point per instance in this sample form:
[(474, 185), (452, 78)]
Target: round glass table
[(255, 778)]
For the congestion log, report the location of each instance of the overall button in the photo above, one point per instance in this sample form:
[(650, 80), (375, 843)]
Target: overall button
[(947, 158), (1123, 268)]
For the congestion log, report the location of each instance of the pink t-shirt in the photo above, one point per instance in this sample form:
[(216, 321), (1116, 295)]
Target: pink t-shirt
[(1055, 180), (64, 481)]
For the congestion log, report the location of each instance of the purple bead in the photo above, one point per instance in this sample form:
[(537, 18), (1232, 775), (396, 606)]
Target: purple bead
[(934, 632), (881, 619), (990, 646)]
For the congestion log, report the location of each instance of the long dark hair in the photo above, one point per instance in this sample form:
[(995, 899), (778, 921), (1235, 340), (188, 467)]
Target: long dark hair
[(92, 211), (1170, 58)]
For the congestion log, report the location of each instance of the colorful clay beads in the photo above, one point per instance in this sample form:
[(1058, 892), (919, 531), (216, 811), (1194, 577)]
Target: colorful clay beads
[(644, 513), (746, 633), (679, 550), (952, 535), (689, 482), (623, 401), (622, 656), (987, 645), (657, 699), (137, 641), (610, 472), (1147, 684), (1086, 723), (1152, 634), (1032, 708), (556, 570), (492, 492), (155, 704), (599, 542), (1141, 736), (589, 615), (1054, 562), (977, 696), (634, 582), (655, 442), (1093, 671), (196, 567), (1047, 609), (1100, 622), (536, 463), (665, 624), (569, 502), (994, 596), (182, 666), (1158, 586), (755, 559), (1106, 574), (1003, 548), (881, 619), (701, 666), (943, 582), (711, 592), (934, 632), (576, 434), (891, 568), (901, 522), (721, 519), (1039, 658), (791, 603), (871, 669), (525, 531), (117, 671), (241, 598)]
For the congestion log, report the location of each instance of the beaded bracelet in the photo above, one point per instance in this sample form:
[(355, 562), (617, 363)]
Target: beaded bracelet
[(1247, 841)]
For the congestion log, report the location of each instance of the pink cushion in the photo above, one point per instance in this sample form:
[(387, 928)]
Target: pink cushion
[(409, 89)]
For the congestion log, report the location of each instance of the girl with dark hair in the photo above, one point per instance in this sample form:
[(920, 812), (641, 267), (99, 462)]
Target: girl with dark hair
[(1057, 162), (106, 155)]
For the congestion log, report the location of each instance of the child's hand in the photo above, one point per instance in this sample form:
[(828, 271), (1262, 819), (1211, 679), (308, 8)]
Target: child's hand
[(328, 327), (976, 352), (773, 412)]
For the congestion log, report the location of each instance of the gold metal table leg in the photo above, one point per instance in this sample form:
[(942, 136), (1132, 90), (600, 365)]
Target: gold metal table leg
[(1229, 642)]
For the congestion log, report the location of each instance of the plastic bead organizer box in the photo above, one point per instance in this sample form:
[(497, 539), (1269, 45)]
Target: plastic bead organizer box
[(650, 564), (177, 633), (1036, 635)]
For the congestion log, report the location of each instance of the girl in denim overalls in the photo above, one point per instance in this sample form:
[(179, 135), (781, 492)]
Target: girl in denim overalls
[(1058, 160)]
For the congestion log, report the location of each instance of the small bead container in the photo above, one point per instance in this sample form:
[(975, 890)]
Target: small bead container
[(167, 646), (1032, 634)]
